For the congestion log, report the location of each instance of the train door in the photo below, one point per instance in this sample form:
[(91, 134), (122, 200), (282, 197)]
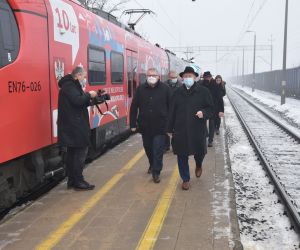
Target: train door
[(131, 76)]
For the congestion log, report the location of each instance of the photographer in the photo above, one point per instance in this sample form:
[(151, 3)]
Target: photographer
[(74, 126)]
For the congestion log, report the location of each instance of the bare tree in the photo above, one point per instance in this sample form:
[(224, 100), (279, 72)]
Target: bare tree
[(109, 6)]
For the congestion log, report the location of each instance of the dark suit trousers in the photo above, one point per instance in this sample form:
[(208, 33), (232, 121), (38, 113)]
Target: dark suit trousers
[(154, 146), (75, 163)]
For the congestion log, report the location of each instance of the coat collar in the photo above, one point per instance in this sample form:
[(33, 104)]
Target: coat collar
[(147, 85), (192, 90)]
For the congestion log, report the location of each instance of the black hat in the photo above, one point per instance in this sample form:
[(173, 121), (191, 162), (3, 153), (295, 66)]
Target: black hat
[(189, 70), (207, 73)]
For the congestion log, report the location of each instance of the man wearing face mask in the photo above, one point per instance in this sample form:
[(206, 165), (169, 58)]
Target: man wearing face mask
[(191, 105), (73, 125), (173, 81), (148, 114), (174, 84)]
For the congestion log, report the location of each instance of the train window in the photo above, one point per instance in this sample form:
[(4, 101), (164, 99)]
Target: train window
[(142, 78), (97, 66), (129, 76), (134, 69), (9, 35), (117, 67), (164, 75)]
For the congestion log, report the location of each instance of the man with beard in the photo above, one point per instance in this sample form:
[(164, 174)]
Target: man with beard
[(148, 114)]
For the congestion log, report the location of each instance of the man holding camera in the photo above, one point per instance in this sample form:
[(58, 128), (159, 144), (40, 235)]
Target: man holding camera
[(149, 114), (74, 126)]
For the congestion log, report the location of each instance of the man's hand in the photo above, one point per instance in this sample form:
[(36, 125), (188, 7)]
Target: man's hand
[(93, 93), (221, 114), (199, 114), (133, 129), (170, 134)]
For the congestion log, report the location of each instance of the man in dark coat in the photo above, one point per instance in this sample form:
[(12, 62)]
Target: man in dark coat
[(191, 106), (149, 114), (73, 125), (218, 103), (174, 84)]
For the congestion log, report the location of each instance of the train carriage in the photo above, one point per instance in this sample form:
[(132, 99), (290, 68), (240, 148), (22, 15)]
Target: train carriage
[(40, 41)]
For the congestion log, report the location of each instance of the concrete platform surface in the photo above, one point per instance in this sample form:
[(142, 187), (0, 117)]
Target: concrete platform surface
[(128, 211)]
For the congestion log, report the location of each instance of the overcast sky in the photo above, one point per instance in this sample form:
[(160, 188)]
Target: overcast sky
[(223, 22)]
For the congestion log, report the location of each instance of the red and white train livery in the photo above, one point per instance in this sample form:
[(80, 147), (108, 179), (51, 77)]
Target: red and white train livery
[(40, 41)]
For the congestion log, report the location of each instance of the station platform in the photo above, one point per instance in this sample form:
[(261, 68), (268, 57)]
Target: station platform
[(128, 211)]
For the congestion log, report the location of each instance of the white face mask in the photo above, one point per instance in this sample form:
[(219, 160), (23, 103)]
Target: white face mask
[(83, 83), (174, 80), (189, 82), (151, 80)]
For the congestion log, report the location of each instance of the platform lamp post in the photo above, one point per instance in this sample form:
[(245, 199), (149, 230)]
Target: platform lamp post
[(254, 58), (243, 69), (283, 83)]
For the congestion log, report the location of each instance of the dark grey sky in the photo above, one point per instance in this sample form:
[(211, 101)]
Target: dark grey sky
[(223, 22)]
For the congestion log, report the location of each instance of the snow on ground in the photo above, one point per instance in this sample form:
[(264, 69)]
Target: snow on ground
[(289, 111), (261, 220)]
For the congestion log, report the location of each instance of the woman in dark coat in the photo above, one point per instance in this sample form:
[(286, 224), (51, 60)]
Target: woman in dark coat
[(191, 106), (221, 85)]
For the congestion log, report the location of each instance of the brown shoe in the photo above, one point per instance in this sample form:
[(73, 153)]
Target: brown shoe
[(198, 171), (185, 185)]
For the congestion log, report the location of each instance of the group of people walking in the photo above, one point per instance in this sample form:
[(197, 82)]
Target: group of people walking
[(178, 110), (172, 113)]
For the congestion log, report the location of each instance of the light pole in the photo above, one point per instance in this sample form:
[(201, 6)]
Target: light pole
[(254, 58), (283, 83), (271, 40), (243, 68)]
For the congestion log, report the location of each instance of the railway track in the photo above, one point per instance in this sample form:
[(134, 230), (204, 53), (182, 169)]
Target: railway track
[(278, 149)]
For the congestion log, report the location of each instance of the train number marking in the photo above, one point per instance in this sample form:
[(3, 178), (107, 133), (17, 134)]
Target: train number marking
[(23, 87)]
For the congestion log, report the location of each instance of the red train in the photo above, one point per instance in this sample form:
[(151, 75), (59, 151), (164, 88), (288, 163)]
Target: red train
[(40, 41)]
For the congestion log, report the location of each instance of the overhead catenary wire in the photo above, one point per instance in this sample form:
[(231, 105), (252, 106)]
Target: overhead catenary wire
[(163, 27), (166, 13), (248, 27), (246, 21)]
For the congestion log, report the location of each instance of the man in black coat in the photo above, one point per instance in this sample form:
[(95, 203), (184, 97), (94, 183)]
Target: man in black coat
[(218, 103), (191, 106), (149, 114), (74, 126), (174, 84)]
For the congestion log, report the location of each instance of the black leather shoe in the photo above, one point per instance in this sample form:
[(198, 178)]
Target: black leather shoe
[(92, 186), (156, 179), (70, 184), (83, 186), (217, 132), (166, 150), (210, 144), (149, 170)]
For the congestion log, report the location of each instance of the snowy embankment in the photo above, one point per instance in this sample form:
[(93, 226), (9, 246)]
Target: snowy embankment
[(289, 111), (262, 222)]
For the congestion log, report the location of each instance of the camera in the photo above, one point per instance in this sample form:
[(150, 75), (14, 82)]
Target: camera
[(101, 97)]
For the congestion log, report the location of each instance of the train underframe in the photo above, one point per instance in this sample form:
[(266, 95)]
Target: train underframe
[(22, 175)]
